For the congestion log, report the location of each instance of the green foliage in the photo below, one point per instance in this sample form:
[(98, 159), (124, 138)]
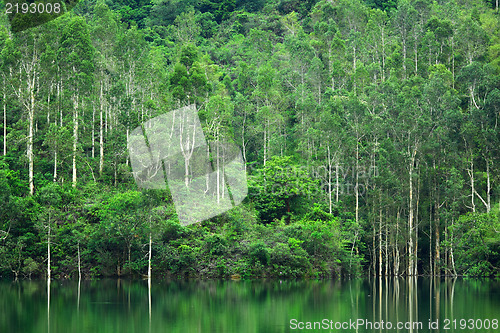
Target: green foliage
[(358, 121), (277, 185), (476, 243), (216, 245), (259, 253)]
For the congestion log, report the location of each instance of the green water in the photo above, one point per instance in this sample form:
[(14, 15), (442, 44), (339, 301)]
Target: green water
[(249, 306)]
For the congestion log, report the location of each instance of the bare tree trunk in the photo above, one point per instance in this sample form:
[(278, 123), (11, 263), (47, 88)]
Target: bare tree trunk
[(404, 58), (446, 249), (357, 181), (243, 143), (265, 144), (329, 181), (380, 238), (218, 166), (386, 248), (374, 255), (101, 134), (48, 251), (415, 251), (383, 55), (488, 186), (411, 259), (30, 81), (79, 264), (149, 254), (487, 202), (4, 119), (451, 252), (337, 182), (396, 257), (75, 136), (93, 131), (436, 229), (187, 148), (430, 240), (31, 116), (55, 166)]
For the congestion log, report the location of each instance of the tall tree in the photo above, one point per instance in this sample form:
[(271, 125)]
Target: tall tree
[(76, 55)]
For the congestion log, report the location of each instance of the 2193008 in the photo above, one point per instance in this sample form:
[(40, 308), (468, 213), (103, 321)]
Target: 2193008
[(33, 8), (470, 324)]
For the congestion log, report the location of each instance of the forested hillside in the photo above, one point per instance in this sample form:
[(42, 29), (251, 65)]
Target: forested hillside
[(370, 132)]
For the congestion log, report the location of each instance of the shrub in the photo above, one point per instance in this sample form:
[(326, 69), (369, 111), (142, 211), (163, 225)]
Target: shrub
[(259, 253), (216, 245)]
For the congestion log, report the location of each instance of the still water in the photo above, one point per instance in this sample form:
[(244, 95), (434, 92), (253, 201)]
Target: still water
[(376, 305)]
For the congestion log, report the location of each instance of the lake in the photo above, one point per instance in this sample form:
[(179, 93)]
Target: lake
[(382, 305)]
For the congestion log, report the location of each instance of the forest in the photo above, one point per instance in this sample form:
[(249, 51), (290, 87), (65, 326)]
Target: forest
[(369, 130)]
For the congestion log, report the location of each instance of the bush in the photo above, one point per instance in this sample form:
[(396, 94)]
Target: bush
[(259, 253), (216, 245), (173, 231)]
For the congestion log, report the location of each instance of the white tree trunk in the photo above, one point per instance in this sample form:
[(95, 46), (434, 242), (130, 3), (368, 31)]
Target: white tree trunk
[(337, 182), (357, 182), (4, 120), (101, 134), (93, 131), (79, 264), (410, 221), (329, 180), (75, 136), (488, 188), (55, 166), (31, 116), (380, 242), (149, 254), (48, 252)]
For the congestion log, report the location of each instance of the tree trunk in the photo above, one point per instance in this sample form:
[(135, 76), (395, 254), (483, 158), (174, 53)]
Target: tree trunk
[(149, 254), (396, 256), (187, 147), (383, 56), (436, 229), (488, 188), (31, 117), (374, 255), (380, 239), (430, 238), (451, 252), (243, 144), (265, 144), (404, 58), (357, 180), (101, 134), (337, 167), (386, 248), (79, 264), (48, 252), (329, 181), (93, 131), (55, 166), (218, 166), (75, 136), (411, 258), (4, 120)]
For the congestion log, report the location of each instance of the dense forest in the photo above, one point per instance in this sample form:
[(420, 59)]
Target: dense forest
[(369, 130)]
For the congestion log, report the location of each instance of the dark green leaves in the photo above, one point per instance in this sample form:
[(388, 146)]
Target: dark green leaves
[(28, 14)]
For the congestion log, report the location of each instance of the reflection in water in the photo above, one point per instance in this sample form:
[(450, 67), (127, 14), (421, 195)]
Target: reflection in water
[(244, 306), (149, 300), (48, 305), (78, 300)]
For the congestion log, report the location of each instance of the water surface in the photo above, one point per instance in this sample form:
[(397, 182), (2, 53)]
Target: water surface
[(250, 306)]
